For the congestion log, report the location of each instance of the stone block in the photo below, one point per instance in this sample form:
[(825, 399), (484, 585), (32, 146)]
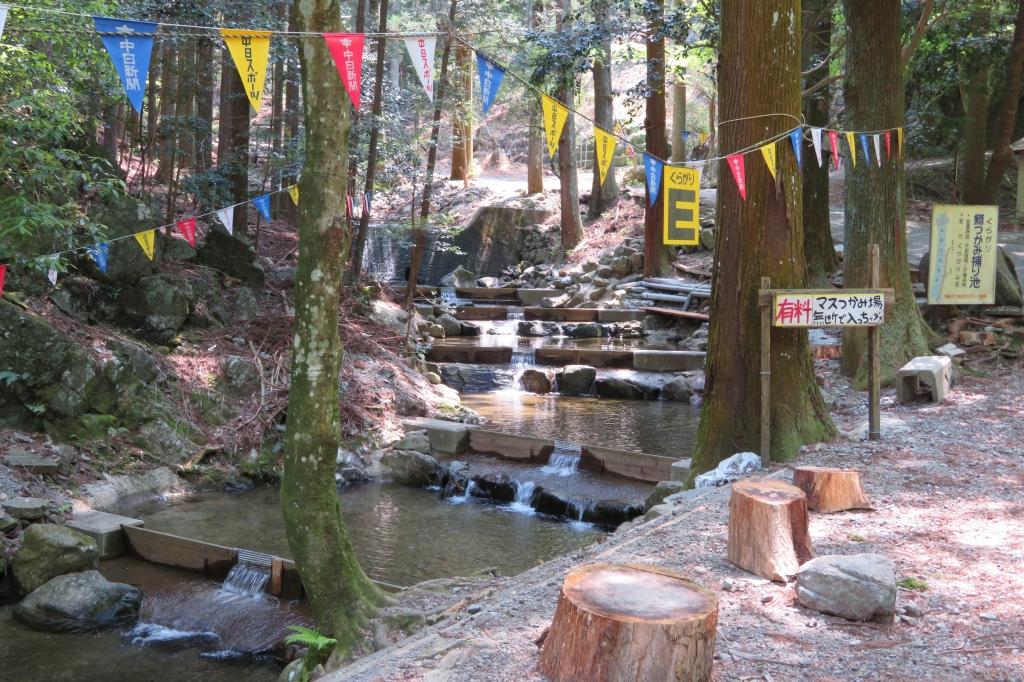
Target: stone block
[(446, 438), (935, 372), (619, 315), (105, 529), (667, 361), (681, 469), (26, 508), (32, 462), (533, 297)]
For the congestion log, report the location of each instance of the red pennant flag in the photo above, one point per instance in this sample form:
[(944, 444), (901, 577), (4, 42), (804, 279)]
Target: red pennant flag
[(888, 144), (833, 142), (3, 276), (348, 207), (739, 173), (347, 51), (188, 230)]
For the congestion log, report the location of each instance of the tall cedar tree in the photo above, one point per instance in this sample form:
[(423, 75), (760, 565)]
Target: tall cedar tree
[(603, 195), (341, 595), (875, 195), (656, 254), (759, 237), (569, 184)]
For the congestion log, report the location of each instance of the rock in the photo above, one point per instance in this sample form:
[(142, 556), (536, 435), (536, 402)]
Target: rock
[(157, 306), (435, 330), (678, 390), (459, 278), (409, 467), (605, 271), (388, 315), (417, 441), (474, 608), (178, 250), (165, 442), (26, 508), (549, 502), (535, 381), (989, 616), (106, 529), (434, 378), (1008, 289), (576, 380), (124, 215), (246, 306), (456, 479), (858, 587), (636, 262), (589, 266), (681, 469), (951, 350), (536, 329), (560, 301), (587, 330), (49, 550), (79, 602), (111, 492), (469, 329), (729, 470), (451, 326), (232, 256), (913, 610), (597, 294), (31, 462), (488, 282), (707, 239), (7, 523), (497, 487), (661, 491), (658, 510), (620, 266), (240, 377), (623, 389), (611, 513)]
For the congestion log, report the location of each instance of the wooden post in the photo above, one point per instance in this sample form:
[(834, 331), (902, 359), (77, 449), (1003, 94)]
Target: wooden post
[(276, 576), (766, 376), (874, 363)]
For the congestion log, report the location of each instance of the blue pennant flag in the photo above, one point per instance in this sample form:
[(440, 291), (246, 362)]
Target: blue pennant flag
[(100, 253), (797, 138), (864, 146), (652, 169), (262, 204), (491, 76), (130, 44)]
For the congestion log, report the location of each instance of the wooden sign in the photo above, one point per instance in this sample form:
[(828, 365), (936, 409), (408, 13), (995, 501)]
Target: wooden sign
[(682, 205), (962, 264), (828, 308)]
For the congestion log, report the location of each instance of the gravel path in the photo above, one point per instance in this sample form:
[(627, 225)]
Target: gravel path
[(947, 482)]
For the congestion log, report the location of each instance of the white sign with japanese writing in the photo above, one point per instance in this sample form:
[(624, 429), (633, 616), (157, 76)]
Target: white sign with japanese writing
[(828, 309), (962, 265)]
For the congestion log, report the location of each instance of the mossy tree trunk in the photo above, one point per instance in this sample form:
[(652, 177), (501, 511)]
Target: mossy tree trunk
[(569, 184), (341, 595), (535, 140), (462, 123), (657, 256), (759, 237), (603, 195), (875, 196)]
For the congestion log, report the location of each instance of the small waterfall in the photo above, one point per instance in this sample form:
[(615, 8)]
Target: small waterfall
[(515, 314), (450, 299), (578, 510), (524, 497), (247, 579), (564, 460), (465, 496), (524, 357)]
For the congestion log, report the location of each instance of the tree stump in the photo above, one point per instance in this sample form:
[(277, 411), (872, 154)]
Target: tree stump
[(768, 533), (830, 490), (630, 622)]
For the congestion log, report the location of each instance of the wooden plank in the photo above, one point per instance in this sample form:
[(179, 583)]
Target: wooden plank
[(639, 466), (766, 378), (874, 366), (765, 296), (671, 312), (510, 446), (481, 312), (560, 314), (172, 550)]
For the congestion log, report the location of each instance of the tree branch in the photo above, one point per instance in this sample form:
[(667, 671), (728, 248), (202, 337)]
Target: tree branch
[(824, 82)]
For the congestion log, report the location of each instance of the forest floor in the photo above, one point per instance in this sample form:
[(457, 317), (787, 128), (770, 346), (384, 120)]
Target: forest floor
[(947, 484)]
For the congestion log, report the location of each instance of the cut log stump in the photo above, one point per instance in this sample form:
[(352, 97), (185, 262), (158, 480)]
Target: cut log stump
[(615, 623), (830, 490), (768, 533)]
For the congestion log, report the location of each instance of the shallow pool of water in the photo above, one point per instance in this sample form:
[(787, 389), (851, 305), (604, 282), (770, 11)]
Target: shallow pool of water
[(401, 535)]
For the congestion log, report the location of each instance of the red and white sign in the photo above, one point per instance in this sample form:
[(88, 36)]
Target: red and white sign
[(421, 51), (347, 51)]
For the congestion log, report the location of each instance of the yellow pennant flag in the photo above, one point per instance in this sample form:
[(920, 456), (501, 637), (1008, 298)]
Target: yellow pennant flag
[(768, 152), (853, 149), (555, 116), (604, 151), (703, 137), (293, 191), (147, 240), (899, 141), (250, 50)]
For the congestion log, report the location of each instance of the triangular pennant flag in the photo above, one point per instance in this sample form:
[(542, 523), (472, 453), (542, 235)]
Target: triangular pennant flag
[(888, 145), (262, 204), (703, 137), (367, 200), (100, 254), (187, 228), (653, 169), (293, 192), (604, 152), (51, 275), (833, 143), (3, 276), (347, 51), (878, 148), (816, 141), (899, 141), (348, 206), (3, 17), (555, 116), (421, 52), (130, 44), (227, 217), (796, 137), (864, 146), (853, 148), (147, 240), (491, 76), (250, 51), (686, 135), (739, 173), (768, 152)]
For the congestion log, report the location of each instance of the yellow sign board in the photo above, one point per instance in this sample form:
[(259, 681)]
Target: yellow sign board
[(962, 266), (682, 205), (828, 308)]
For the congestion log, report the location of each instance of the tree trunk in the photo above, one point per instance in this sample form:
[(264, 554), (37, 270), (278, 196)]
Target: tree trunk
[(462, 125), (975, 133), (341, 595), (768, 528), (830, 490), (277, 118), (875, 196), (759, 237), (1002, 134), (293, 106), (568, 180), (166, 127), (184, 105), (535, 141), (819, 249), (353, 162), (236, 109), (224, 109), (603, 195), (206, 64), (439, 93), (623, 623), (679, 121), (657, 257)]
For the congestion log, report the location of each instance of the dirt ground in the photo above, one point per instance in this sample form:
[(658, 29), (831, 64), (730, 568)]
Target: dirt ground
[(947, 484)]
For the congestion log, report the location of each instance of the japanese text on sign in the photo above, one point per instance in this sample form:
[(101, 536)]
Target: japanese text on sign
[(682, 199), (962, 265), (828, 309)]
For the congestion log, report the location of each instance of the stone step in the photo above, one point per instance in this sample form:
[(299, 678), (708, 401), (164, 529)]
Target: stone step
[(26, 508), (32, 462), (106, 529)]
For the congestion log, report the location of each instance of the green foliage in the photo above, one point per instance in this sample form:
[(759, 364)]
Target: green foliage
[(913, 584), (318, 647)]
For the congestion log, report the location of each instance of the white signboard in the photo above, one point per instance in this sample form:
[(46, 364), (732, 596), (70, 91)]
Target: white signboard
[(828, 309)]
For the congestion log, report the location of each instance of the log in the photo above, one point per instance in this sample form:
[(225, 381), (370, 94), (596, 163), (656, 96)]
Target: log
[(630, 622), (830, 490), (768, 533)]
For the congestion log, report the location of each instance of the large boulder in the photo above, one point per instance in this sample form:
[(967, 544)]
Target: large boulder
[(417, 441), (240, 377), (661, 491), (79, 602), (157, 306), (612, 513), (535, 381), (858, 587), (124, 215), (535, 328), (679, 390), (459, 278), (451, 326), (412, 468), (624, 389), (232, 256), (49, 550), (586, 330), (576, 380), (497, 487)]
